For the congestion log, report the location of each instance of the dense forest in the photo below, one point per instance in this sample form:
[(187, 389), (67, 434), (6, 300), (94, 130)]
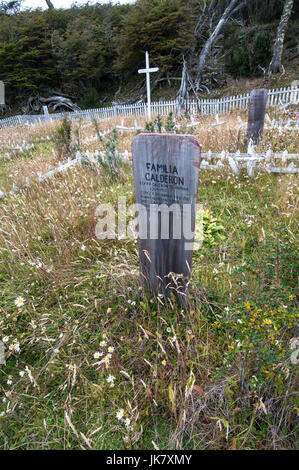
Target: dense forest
[(91, 53)]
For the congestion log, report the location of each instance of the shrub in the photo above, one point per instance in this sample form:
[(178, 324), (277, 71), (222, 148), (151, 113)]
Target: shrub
[(90, 99), (110, 160), (154, 126), (249, 55), (213, 230), (63, 137), (170, 123), (261, 53)]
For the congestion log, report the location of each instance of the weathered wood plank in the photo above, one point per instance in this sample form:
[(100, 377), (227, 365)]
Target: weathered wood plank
[(256, 114), (166, 169)]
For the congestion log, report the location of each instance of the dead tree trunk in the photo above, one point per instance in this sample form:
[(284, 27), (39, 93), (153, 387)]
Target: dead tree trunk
[(275, 65), (182, 94), (50, 4), (186, 85), (207, 47)]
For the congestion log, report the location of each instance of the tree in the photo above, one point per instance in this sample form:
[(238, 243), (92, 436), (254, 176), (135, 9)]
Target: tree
[(80, 54), (275, 65), (158, 26), (50, 4), (207, 47), (27, 64), (10, 7)]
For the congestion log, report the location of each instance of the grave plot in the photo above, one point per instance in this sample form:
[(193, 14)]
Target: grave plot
[(82, 337), (166, 171)]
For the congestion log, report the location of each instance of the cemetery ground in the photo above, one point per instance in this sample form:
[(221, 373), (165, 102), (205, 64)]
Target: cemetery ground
[(93, 363)]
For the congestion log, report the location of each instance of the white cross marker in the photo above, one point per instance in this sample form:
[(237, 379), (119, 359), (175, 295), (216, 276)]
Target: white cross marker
[(46, 111), (147, 70)]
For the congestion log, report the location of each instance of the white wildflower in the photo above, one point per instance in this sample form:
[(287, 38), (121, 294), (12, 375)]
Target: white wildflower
[(19, 302), (120, 414), (97, 355), (110, 379)]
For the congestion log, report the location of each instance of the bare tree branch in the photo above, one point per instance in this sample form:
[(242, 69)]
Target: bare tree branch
[(275, 65), (207, 47), (50, 4)]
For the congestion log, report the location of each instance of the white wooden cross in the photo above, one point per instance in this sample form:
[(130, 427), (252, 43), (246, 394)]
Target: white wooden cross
[(46, 111), (148, 71)]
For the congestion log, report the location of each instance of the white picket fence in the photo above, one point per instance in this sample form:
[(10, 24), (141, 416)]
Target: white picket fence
[(279, 97)]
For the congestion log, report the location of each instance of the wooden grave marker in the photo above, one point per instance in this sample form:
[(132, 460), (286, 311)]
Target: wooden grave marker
[(256, 114), (166, 169)]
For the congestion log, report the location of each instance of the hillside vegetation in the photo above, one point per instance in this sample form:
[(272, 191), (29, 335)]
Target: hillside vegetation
[(92, 53)]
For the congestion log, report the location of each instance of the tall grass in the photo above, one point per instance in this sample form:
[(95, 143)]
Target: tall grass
[(182, 378)]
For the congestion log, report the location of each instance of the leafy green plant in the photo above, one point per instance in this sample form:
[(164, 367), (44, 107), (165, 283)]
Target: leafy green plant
[(170, 123), (261, 338), (213, 230), (158, 123), (154, 126), (150, 127)]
